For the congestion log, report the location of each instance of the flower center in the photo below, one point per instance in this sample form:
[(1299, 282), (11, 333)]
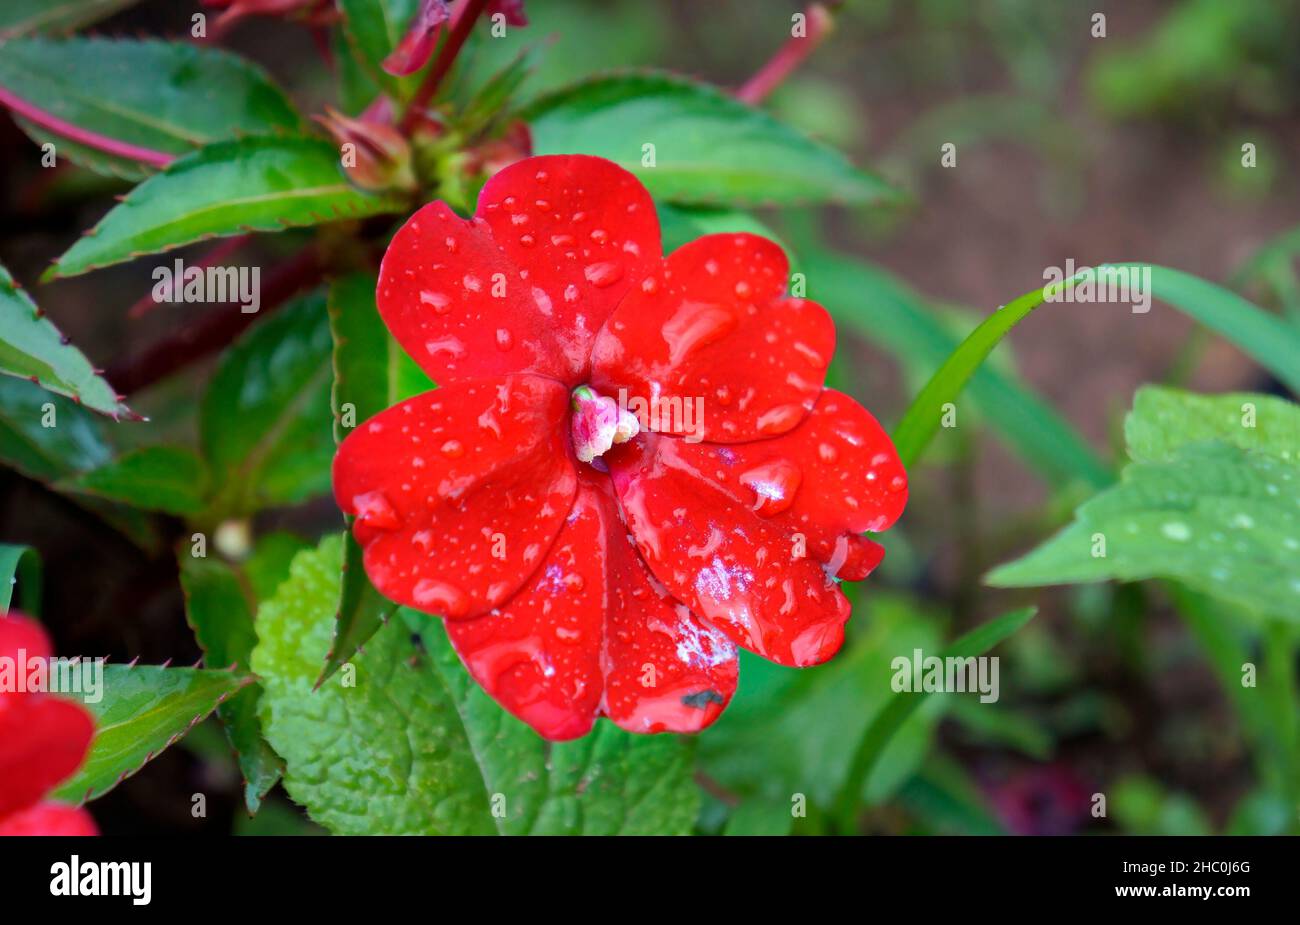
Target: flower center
[(598, 423)]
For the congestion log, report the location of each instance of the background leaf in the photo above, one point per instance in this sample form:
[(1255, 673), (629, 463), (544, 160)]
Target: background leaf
[(372, 29), (20, 565), (1271, 342), (709, 148), (23, 17), (155, 478), (31, 347), (220, 608), (169, 97), (264, 424), (144, 710), (411, 745), (371, 373), (1221, 515), (226, 188)]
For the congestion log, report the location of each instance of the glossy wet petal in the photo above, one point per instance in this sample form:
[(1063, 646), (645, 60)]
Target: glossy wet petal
[(593, 633), (709, 347), (525, 285), (459, 493), (736, 570), (48, 819), (45, 739), (832, 477)]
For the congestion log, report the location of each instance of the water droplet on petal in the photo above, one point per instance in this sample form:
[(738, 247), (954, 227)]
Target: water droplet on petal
[(527, 240), (440, 303), (440, 597), (472, 283), (742, 289), (780, 419), (562, 240), (599, 235), (827, 452), (374, 510), (453, 448), (505, 340), (451, 244), (897, 484), (602, 275), (774, 485)]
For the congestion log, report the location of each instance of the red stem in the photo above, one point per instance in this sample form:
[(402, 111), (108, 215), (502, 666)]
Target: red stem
[(462, 21), (216, 328), (788, 57), (81, 135)]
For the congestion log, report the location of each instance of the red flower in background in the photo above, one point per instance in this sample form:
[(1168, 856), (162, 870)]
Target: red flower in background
[(722, 518), (43, 740)]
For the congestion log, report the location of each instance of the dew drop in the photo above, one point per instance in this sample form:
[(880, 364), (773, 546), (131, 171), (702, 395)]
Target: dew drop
[(774, 485), (453, 449), (743, 290), (440, 303), (527, 240), (780, 419), (374, 510), (505, 340), (603, 275), (472, 283), (599, 235), (562, 240), (452, 246), (827, 452), (897, 484)]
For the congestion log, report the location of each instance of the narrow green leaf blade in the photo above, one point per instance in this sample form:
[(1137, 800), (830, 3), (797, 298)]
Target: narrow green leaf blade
[(1271, 342), (219, 610), (264, 424), (154, 478), (143, 710), (404, 742), (226, 188), (707, 147), (888, 721), (882, 310), (373, 28), (31, 347), (20, 565)]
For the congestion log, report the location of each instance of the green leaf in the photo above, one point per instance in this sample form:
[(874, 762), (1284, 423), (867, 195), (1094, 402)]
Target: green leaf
[(167, 97), (47, 437), (264, 423), (31, 347), (24, 17), (373, 28), (760, 817), (887, 722), (143, 710), (774, 739), (1271, 342), (404, 742), (226, 188), (219, 610), (1212, 499), (879, 308), (1164, 420), (155, 478), (20, 565), (708, 147), (371, 373), (1220, 519)]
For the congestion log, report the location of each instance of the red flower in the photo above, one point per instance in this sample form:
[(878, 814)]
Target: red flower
[(43, 740), (726, 493)]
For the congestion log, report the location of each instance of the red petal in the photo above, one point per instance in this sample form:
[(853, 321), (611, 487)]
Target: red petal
[(49, 819), (726, 563), (711, 333), (540, 656), (45, 740), (21, 638), (668, 670), (593, 621), (525, 285), (832, 477), (459, 492), (583, 230)]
